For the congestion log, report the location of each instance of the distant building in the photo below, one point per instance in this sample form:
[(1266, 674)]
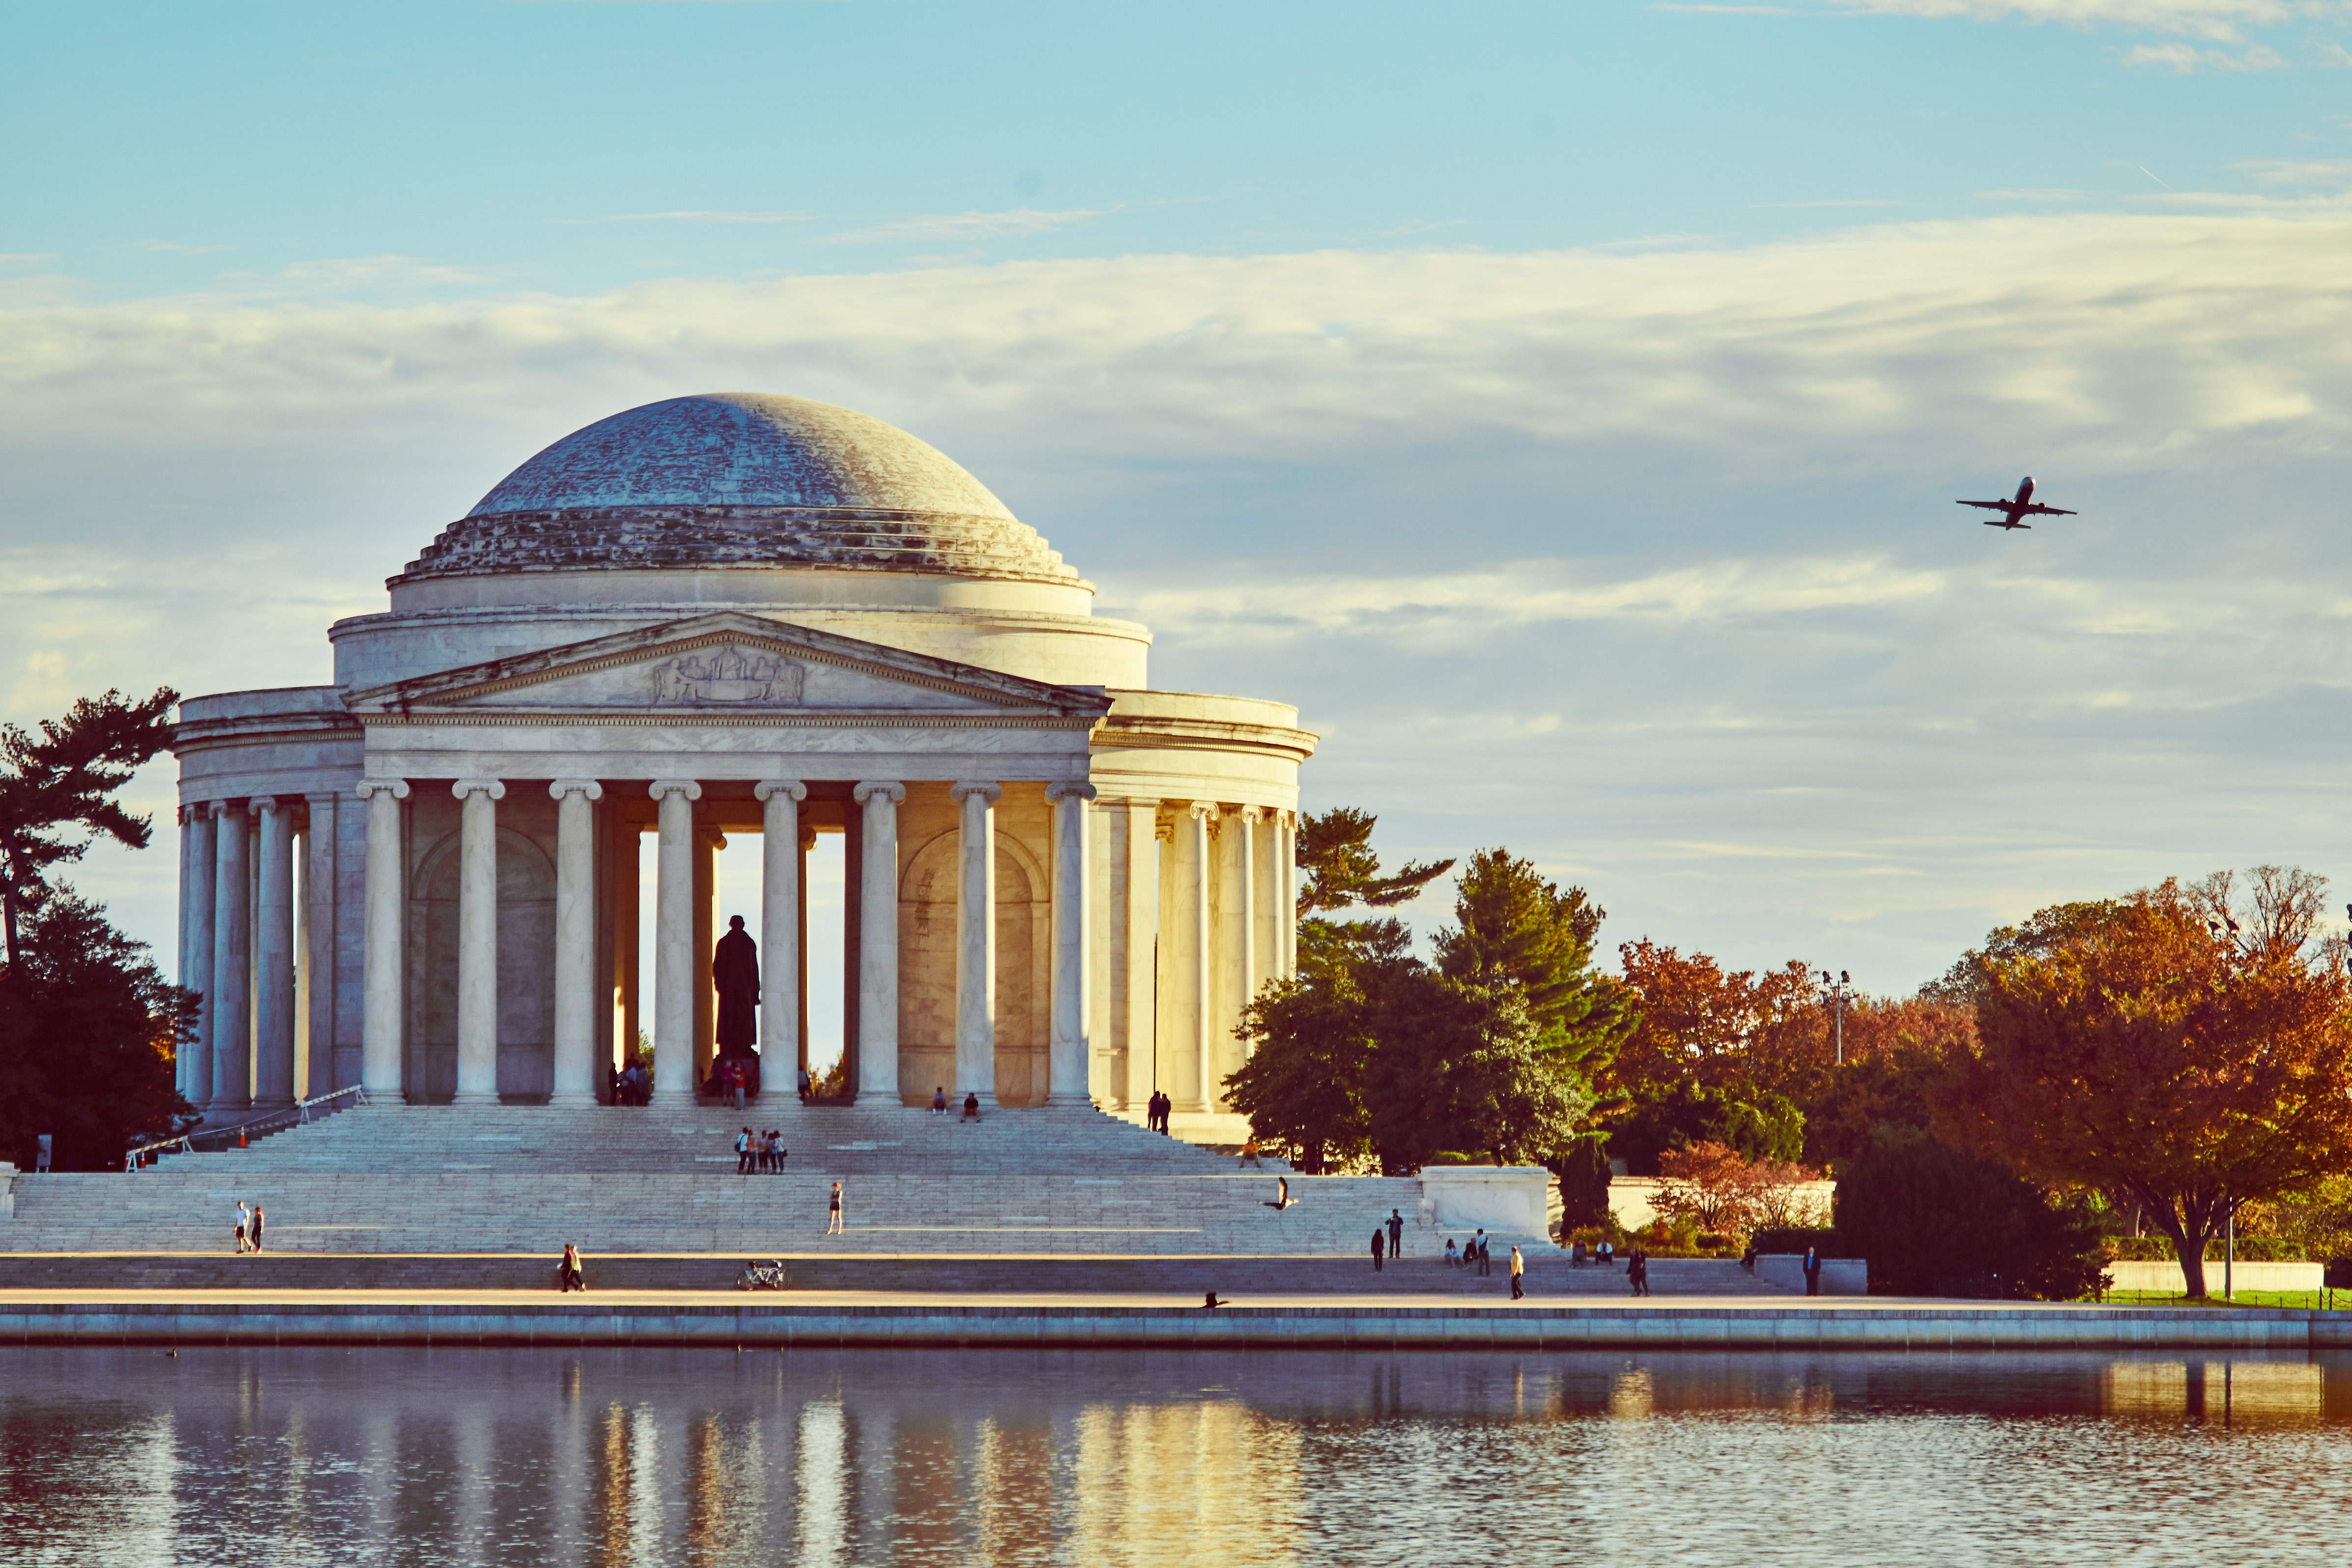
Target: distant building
[(706, 617)]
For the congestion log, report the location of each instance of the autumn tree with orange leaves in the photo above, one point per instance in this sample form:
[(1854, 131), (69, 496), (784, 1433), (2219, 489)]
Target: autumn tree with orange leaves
[(2181, 1046)]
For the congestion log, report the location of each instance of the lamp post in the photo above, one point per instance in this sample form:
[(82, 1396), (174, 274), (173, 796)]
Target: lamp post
[(1837, 991)]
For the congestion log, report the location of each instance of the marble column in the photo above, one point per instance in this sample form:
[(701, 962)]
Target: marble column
[(273, 998), (877, 940), (382, 1032), (576, 997), (478, 940), (708, 843), (182, 966), (1247, 972), (1188, 953), (318, 946), (781, 899), (231, 1016), (1286, 882), (975, 1058), (196, 963), (1067, 1051), (674, 965)]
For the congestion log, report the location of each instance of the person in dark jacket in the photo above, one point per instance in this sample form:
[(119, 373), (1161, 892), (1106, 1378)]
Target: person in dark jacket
[(1813, 1271), (1379, 1241)]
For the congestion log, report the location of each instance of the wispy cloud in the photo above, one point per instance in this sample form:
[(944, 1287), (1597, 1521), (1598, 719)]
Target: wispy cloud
[(1010, 224), (2219, 21), (2317, 173), (688, 217), (2184, 58)]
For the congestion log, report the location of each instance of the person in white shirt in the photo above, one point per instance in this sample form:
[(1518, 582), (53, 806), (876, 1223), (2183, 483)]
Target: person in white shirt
[(243, 1221)]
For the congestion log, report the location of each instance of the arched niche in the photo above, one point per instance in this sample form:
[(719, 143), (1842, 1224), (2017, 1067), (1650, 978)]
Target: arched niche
[(526, 925)]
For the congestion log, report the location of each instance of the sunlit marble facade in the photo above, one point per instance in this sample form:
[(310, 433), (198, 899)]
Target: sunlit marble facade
[(709, 617)]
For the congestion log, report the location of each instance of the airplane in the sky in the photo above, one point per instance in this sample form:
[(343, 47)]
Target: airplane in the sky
[(2012, 510)]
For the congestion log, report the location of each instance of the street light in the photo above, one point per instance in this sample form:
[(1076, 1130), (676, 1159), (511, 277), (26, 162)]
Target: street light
[(1837, 991)]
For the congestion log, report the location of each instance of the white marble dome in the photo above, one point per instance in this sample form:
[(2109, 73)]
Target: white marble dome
[(740, 480)]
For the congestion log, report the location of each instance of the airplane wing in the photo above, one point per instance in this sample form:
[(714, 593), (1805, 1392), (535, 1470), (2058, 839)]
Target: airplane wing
[(1989, 505), (2038, 510)]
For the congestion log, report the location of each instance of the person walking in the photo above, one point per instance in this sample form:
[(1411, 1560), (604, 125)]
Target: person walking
[(743, 1152), (1396, 1234), (568, 1274), (244, 1227), (1478, 1245), (1813, 1271), (44, 1146), (1379, 1236), (1518, 1275), (1637, 1273), (256, 1228), (832, 1216)]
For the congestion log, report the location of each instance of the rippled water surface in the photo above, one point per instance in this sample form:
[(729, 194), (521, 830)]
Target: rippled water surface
[(119, 1457)]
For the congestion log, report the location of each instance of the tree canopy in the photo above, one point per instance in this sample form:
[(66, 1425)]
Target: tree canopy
[(1515, 927), (63, 779), (2159, 1047)]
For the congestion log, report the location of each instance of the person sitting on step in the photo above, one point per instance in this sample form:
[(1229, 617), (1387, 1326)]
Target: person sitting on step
[(971, 1107), (940, 1099)]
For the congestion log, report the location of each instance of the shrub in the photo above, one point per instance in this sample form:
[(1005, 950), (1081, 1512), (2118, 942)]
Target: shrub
[(1823, 1239), (1713, 1187), (1933, 1222), (1679, 1114)]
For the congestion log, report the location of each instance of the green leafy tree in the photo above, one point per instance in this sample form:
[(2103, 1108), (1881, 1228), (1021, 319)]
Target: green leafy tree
[(1339, 870), (1935, 1221), (57, 791), (1514, 927), (1303, 1086), (1464, 1066), (1680, 1114), (87, 1036)]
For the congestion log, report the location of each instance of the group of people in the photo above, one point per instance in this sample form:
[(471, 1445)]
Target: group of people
[(633, 1085), (1155, 1113), (1476, 1253), (569, 1275), (940, 1103), (248, 1228), (760, 1153), (731, 1078)]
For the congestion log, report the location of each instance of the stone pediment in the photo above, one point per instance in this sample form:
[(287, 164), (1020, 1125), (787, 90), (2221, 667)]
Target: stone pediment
[(729, 663)]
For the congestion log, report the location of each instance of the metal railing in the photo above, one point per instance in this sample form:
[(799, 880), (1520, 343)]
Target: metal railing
[(296, 1115)]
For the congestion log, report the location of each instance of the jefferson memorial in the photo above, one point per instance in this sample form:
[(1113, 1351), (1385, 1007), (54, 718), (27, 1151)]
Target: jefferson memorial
[(704, 617)]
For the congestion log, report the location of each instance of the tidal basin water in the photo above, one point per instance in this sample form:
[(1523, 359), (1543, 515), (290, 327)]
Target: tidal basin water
[(121, 1457)]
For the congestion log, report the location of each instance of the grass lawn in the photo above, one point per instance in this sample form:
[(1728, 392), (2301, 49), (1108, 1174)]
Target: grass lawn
[(2340, 1301)]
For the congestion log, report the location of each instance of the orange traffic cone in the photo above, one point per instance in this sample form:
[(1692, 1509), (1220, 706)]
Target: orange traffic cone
[(240, 1137)]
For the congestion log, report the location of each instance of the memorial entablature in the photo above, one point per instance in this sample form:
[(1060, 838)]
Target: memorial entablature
[(707, 617)]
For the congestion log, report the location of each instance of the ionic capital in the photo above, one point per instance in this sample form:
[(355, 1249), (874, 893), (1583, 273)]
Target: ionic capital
[(560, 788), (495, 788), (662, 788), (1202, 810), (766, 788), (968, 789), (879, 790), (1255, 813), (1062, 789), (256, 804), (395, 788)]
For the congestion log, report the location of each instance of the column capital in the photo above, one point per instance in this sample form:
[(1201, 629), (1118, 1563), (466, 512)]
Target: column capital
[(217, 810), (1202, 810), (558, 788), (888, 789), (256, 804), (964, 790), (1249, 814), (495, 788), (791, 788), (1062, 789), (395, 788), (660, 788)]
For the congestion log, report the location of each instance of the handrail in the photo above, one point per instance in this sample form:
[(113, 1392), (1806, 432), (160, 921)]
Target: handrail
[(297, 1114)]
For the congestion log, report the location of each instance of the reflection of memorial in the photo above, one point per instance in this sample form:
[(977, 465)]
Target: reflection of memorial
[(701, 619)]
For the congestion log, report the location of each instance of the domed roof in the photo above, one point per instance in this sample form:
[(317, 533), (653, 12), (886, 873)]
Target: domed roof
[(740, 480)]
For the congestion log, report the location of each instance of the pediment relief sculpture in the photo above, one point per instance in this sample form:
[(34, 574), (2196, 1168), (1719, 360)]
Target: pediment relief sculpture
[(727, 676)]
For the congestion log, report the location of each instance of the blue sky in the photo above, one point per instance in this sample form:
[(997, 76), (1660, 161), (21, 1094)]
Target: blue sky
[(1562, 403)]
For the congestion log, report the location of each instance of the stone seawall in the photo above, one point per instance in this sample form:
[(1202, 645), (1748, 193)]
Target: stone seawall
[(772, 1325)]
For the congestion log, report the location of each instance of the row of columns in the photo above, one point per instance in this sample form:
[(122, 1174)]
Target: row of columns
[(679, 958), (1253, 893), (245, 947)]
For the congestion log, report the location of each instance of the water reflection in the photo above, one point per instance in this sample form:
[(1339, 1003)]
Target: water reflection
[(650, 1457)]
